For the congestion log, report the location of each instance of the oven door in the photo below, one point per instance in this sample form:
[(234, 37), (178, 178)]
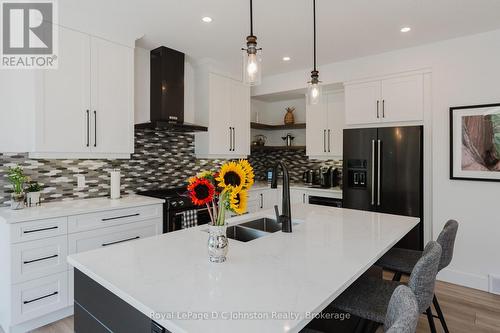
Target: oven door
[(175, 217)]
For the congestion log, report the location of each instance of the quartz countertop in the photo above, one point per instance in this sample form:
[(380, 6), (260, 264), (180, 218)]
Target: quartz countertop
[(74, 207), (277, 279)]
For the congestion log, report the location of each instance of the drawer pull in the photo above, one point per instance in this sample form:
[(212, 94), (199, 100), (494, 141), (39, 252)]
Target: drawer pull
[(120, 217), (40, 259), (121, 241), (41, 297), (37, 230)]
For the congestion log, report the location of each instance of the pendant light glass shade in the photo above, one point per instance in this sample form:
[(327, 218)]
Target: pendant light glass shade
[(252, 67), (314, 93)]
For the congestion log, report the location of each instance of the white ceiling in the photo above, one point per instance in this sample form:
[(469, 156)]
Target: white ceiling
[(346, 28)]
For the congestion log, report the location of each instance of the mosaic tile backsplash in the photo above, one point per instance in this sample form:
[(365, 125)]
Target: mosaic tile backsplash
[(161, 160)]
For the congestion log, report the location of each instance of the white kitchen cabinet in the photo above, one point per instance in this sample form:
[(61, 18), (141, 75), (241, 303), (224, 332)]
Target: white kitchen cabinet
[(261, 199), (36, 283), (63, 115), (325, 124), (394, 99), (85, 107), (224, 107), (298, 196), (112, 84)]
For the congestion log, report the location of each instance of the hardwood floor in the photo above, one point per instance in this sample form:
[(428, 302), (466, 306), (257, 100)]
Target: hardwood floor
[(466, 311)]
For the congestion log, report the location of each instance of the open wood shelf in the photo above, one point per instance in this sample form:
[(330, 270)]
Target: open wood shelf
[(274, 148), (276, 127)]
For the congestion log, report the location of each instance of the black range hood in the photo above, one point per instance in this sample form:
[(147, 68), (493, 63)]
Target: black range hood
[(167, 92)]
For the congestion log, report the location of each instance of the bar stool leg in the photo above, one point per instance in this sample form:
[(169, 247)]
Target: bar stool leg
[(430, 318), (440, 314)]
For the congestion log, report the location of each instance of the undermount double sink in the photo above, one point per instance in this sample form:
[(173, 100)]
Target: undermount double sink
[(251, 230)]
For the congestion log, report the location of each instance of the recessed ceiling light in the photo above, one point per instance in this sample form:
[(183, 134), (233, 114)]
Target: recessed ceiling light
[(405, 29), (286, 58), (207, 19)]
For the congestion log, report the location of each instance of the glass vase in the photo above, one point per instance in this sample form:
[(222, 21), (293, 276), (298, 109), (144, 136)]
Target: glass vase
[(217, 243)]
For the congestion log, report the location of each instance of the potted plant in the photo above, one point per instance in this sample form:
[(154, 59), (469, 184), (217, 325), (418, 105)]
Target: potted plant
[(17, 179), (33, 194)]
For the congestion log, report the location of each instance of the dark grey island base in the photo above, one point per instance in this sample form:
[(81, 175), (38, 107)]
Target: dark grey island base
[(97, 310)]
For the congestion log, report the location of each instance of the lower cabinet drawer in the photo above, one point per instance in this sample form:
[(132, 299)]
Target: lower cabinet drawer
[(31, 260), (33, 230), (91, 221), (94, 239), (38, 297)]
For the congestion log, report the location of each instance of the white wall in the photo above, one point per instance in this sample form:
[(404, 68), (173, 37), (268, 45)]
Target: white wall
[(465, 71)]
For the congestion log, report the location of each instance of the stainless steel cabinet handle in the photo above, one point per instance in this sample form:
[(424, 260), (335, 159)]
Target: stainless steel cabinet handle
[(121, 241), (37, 230), (378, 171), (42, 297), (95, 128), (119, 217), (373, 172), (88, 128), (378, 114), (329, 139), (261, 201), (40, 259), (383, 108), (324, 140)]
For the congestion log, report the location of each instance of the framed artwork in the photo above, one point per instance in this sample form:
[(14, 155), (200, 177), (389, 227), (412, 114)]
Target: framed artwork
[(475, 142)]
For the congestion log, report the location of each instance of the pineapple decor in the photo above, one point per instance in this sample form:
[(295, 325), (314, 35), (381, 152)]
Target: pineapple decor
[(289, 117)]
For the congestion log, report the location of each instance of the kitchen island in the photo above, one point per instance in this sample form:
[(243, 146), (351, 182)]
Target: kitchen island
[(270, 284)]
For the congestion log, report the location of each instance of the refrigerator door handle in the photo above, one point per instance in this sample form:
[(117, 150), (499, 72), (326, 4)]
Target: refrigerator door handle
[(378, 171), (373, 172)]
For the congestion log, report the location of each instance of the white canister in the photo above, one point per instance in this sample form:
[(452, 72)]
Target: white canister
[(115, 184)]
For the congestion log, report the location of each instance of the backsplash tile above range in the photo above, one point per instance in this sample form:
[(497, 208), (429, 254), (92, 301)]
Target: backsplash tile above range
[(161, 160)]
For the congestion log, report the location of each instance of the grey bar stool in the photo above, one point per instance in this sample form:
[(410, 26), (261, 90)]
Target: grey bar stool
[(402, 261), (402, 313), (368, 297)]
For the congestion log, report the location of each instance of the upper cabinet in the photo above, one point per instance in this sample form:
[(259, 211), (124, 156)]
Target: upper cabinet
[(82, 109), (325, 125), (86, 107), (224, 106), (395, 99)]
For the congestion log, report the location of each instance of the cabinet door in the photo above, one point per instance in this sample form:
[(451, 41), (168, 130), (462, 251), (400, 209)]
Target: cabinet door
[(65, 98), (403, 99), (112, 97), (219, 115), (298, 196), (240, 117), (362, 103), (317, 129), (336, 123)]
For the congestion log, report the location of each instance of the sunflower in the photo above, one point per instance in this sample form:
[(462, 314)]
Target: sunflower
[(238, 201), (232, 174), (201, 191), (249, 173)]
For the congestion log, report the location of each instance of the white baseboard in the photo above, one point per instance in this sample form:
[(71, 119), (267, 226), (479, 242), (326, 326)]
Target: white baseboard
[(464, 279), (40, 321)]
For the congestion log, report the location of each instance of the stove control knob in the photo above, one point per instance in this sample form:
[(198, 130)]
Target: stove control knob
[(181, 203), (174, 203)]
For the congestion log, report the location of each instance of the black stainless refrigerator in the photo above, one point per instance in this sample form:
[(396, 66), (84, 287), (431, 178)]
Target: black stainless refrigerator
[(383, 172)]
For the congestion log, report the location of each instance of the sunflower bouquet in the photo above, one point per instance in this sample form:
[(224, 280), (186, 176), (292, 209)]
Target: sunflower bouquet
[(223, 191)]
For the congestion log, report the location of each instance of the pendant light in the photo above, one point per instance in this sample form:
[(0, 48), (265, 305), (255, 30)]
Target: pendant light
[(314, 88), (252, 57)]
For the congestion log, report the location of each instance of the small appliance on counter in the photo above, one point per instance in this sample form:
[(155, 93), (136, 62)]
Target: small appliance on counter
[(323, 177)]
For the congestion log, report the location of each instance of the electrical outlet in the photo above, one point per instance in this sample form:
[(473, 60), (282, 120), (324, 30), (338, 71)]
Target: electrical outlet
[(494, 284), (80, 181)]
